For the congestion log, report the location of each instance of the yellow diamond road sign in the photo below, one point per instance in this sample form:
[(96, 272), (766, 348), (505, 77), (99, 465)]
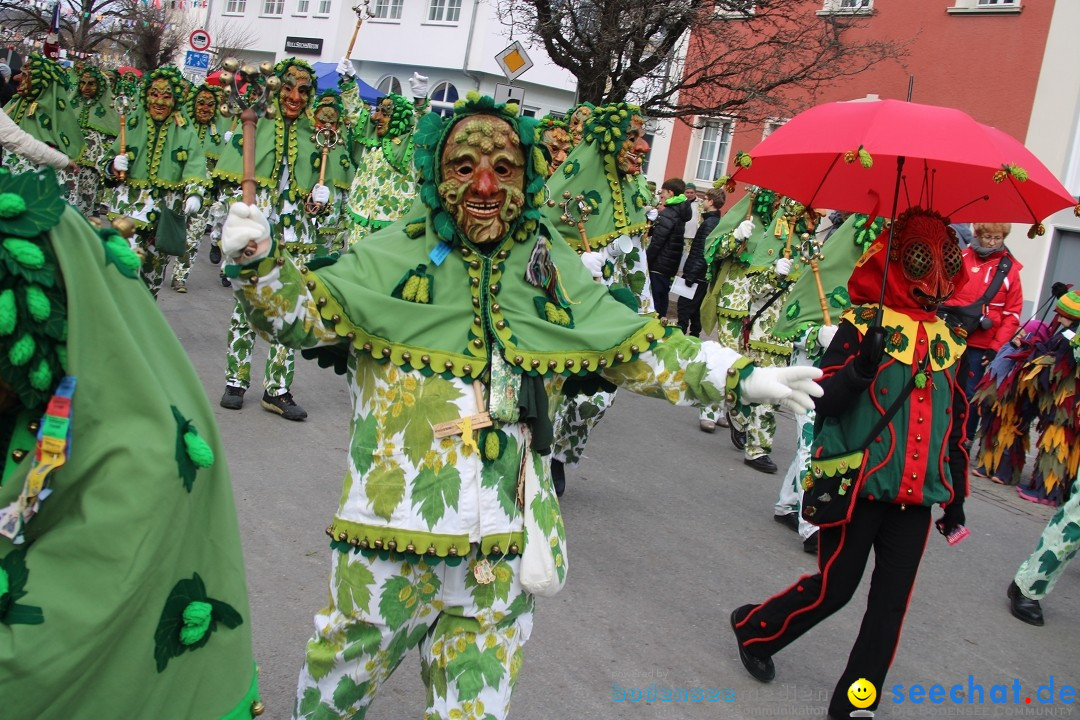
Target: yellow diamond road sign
[(514, 61)]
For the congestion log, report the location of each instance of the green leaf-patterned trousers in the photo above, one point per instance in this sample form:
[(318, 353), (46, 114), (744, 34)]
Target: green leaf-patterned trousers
[(1057, 546), (382, 604), (278, 374)]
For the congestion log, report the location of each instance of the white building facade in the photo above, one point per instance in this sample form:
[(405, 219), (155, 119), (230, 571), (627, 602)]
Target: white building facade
[(452, 42)]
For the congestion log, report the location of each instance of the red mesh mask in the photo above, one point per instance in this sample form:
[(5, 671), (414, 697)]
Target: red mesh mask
[(924, 265)]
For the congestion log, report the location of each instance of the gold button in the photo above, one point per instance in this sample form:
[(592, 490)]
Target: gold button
[(495, 307), (449, 364), (257, 708), (475, 264), (619, 357), (919, 419), (494, 289), (634, 349), (342, 535), (518, 359), (569, 363), (915, 456), (650, 337), (602, 362), (475, 281), (391, 545), (321, 302), (514, 549), (364, 544), (367, 347), (335, 318), (425, 359), (909, 491), (350, 335), (535, 364), (33, 426), (453, 550), (501, 254), (478, 343), (467, 369), (18, 455), (406, 356), (378, 544), (914, 476), (476, 320), (584, 364), (500, 325), (495, 549), (918, 438), (476, 302), (311, 285), (552, 364), (431, 550), (410, 548), (386, 352)]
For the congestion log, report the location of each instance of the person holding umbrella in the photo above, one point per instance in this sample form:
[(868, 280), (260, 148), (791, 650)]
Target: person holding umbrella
[(911, 461)]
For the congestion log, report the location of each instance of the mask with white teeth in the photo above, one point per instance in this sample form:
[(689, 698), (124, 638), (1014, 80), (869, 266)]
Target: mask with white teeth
[(483, 177)]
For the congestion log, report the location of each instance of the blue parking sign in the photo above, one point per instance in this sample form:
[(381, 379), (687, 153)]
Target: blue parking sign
[(195, 59)]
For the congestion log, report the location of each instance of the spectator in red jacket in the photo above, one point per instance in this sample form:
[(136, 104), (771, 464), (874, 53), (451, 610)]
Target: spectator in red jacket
[(1000, 314)]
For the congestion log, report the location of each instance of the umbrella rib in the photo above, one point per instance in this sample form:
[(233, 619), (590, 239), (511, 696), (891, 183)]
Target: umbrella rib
[(824, 177), (880, 315), (1021, 196)]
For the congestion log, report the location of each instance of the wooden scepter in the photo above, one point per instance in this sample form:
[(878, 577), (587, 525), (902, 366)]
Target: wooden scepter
[(121, 103), (360, 11), (584, 209), (261, 85), (326, 138), (811, 254)]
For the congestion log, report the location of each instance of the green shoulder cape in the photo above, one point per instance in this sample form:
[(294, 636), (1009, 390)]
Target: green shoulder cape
[(140, 523), (618, 202), (98, 114), (297, 144), (48, 116), (368, 294), (166, 155), (844, 247)]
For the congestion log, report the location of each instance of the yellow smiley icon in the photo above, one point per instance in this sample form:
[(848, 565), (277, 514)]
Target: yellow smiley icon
[(862, 693)]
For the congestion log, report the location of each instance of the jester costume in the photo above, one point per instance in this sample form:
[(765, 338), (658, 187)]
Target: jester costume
[(286, 171), (92, 99), (452, 348), (382, 150), (166, 166), (201, 112), (122, 590), (42, 109), (614, 225), (917, 460)]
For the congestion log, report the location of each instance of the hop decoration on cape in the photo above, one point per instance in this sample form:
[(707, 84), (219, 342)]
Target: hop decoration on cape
[(861, 155), (609, 126), (743, 160)]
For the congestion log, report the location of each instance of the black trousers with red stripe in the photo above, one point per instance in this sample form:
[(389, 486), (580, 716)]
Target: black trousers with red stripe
[(898, 537)]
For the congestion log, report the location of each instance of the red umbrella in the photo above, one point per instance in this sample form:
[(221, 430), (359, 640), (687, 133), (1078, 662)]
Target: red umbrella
[(857, 155)]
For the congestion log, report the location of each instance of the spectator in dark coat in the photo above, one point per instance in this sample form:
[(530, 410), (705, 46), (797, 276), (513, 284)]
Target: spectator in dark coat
[(694, 268), (666, 241)]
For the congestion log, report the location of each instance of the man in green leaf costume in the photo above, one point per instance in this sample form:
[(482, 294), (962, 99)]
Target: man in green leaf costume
[(160, 174), (92, 99), (42, 109), (201, 111), (605, 227), (122, 589), (455, 326), (286, 175), (382, 148)]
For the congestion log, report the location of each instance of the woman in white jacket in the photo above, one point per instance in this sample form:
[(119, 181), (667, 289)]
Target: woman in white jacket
[(16, 140)]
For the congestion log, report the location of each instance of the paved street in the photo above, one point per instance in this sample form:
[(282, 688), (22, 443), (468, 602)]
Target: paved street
[(668, 531)]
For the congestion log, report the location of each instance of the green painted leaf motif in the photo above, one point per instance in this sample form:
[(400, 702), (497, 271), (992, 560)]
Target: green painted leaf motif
[(361, 640), (385, 486), (348, 693), (434, 491), (433, 403), (667, 353), (839, 298), (545, 511), (1039, 587), (1071, 533), (636, 281), (309, 701), (321, 657), (522, 603), (362, 447), (1048, 562), (501, 473), (475, 669), (354, 584), (398, 601)]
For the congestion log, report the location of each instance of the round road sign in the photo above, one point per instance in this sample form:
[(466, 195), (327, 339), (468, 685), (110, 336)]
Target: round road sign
[(200, 40)]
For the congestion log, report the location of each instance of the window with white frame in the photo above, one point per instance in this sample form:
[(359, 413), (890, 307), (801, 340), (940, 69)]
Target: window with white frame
[(443, 98), (389, 84), (324, 7), (848, 6), (770, 127), (387, 9), (735, 9), (448, 11), (983, 3), (976, 7), (713, 152), (273, 7), (236, 7), (302, 7)]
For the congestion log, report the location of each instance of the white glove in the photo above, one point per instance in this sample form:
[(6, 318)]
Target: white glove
[(792, 387), (320, 194), (345, 67), (228, 136), (594, 263), (192, 205), (743, 231), (651, 214), (120, 163), (783, 266), (244, 225), (419, 85), (825, 335)]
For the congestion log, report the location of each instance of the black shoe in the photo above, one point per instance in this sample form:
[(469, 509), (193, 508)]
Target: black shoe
[(283, 405), (1023, 607), (558, 477), (224, 280), (761, 669), (810, 544), (215, 254), (738, 437), (788, 520), (233, 399), (761, 464)]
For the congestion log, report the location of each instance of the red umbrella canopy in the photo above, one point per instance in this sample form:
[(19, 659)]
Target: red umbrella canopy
[(844, 156)]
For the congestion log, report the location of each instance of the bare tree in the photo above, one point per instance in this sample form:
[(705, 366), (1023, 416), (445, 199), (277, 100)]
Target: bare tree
[(230, 38), (742, 58), (86, 26), (152, 36)]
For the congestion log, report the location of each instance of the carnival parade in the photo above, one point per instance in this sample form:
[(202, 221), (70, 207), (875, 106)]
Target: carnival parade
[(849, 281)]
